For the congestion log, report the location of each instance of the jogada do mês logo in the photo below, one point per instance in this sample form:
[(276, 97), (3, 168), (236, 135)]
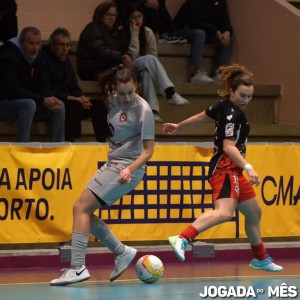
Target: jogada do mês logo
[(281, 291)]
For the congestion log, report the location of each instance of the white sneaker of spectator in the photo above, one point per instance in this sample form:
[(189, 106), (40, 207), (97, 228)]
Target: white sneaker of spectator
[(178, 100), (169, 39), (202, 78), (216, 78)]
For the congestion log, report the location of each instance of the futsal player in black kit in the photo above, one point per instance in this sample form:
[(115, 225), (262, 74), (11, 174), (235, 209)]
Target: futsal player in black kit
[(231, 189)]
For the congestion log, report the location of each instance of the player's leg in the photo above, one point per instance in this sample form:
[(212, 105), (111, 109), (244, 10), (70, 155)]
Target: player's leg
[(82, 211), (225, 201), (224, 211), (252, 212), (250, 208), (108, 192), (123, 254)]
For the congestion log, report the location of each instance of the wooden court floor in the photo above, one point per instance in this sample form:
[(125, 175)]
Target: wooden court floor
[(180, 281)]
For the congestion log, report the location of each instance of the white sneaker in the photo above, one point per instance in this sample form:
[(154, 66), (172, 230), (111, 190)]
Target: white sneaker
[(72, 276), (217, 78), (179, 246), (122, 261), (265, 265), (202, 78), (178, 100), (157, 117), (169, 39)]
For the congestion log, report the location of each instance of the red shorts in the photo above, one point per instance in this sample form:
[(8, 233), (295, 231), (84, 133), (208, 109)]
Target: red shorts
[(231, 185)]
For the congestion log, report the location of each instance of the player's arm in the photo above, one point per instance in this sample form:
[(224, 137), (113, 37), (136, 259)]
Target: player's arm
[(172, 128), (125, 175), (234, 154)]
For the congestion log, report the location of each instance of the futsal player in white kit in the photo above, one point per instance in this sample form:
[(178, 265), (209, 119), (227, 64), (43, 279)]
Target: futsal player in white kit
[(131, 123)]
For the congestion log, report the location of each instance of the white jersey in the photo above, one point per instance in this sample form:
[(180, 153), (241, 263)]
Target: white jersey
[(130, 124)]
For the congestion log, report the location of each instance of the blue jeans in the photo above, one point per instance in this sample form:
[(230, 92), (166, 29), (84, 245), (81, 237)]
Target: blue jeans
[(56, 121), (25, 111), (153, 75), (197, 38), (222, 52)]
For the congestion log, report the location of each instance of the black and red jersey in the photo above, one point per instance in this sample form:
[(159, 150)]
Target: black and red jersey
[(230, 123)]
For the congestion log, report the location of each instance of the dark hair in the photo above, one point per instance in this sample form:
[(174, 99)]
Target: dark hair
[(110, 78), (233, 76), (126, 26), (26, 30), (58, 31), (101, 10)]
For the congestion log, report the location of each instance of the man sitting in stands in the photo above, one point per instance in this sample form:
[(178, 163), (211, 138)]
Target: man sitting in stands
[(24, 93), (64, 84)]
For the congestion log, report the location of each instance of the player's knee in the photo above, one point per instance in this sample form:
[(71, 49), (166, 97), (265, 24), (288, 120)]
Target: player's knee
[(225, 216), (78, 207), (256, 217)]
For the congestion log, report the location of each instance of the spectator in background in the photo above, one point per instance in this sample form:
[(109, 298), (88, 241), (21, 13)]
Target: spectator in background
[(201, 22), (99, 46), (8, 20), (156, 17), (142, 48), (64, 84), (24, 92)]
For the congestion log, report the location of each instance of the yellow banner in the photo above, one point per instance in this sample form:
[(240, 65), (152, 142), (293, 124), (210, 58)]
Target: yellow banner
[(279, 191), (39, 185)]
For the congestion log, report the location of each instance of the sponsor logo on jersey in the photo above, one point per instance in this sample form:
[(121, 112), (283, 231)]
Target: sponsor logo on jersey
[(229, 117), (229, 129), (123, 117)]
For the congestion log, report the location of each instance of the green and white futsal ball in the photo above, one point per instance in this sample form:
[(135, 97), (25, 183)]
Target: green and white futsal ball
[(149, 268)]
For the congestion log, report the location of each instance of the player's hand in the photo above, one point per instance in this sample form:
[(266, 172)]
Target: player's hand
[(253, 177), (125, 176), (170, 128)]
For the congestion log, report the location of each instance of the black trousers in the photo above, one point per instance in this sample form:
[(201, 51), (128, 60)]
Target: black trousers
[(75, 113)]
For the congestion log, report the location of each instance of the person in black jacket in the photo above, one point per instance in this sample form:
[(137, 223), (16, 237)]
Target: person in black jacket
[(206, 21), (24, 92), (100, 46), (64, 84), (8, 20)]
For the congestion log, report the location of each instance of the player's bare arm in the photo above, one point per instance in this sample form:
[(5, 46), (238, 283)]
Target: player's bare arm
[(173, 129)]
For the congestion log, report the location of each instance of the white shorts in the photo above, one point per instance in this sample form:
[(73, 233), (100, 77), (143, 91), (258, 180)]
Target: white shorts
[(105, 184)]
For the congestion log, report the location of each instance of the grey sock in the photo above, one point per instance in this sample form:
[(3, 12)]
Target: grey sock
[(100, 230), (78, 251)]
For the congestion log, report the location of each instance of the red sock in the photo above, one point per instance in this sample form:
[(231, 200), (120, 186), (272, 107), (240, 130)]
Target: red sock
[(259, 251), (189, 233)]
